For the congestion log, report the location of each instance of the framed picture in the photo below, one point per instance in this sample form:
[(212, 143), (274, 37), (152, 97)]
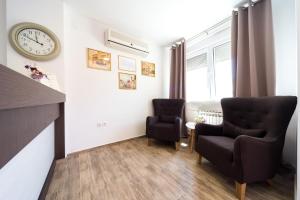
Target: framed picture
[(127, 64), (98, 59), (127, 81), (148, 69)]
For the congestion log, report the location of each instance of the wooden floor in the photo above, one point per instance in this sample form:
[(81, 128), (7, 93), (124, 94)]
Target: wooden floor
[(132, 170)]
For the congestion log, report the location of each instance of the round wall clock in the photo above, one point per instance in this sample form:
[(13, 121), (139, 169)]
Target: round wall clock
[(34, 41)]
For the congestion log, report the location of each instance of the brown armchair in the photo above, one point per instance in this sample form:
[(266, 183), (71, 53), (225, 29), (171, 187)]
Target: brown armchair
[(166, 124), (248, 145)]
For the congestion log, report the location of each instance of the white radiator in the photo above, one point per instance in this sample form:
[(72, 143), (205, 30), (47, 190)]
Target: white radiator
[(211, 111)]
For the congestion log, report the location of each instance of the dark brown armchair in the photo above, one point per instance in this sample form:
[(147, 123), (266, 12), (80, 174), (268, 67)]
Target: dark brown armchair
[(248, 145), (166, 124)]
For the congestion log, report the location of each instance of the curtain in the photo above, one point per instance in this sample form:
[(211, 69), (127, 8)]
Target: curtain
[(178, 66), (177, 77), (253, 63)]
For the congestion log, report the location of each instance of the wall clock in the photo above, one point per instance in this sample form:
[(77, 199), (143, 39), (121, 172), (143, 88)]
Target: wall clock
[(34, 41)]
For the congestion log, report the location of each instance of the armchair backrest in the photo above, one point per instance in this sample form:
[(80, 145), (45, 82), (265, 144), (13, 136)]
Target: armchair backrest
[(271, 114), (170, 107)]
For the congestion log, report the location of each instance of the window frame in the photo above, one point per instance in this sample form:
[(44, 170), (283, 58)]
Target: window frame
[(209, 48)]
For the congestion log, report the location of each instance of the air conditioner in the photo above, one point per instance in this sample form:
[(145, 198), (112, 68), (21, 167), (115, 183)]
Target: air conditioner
[(126, 43)]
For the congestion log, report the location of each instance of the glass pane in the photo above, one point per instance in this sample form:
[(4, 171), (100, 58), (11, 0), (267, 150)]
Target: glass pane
[(223, 71), (197, 61), (197, 87)]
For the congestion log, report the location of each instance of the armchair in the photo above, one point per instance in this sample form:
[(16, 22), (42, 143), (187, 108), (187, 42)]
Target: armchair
[(166, 124), (248, 145)]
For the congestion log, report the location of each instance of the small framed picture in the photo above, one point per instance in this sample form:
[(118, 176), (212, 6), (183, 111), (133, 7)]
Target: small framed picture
[(148, 69), (127, 64), (127, 81), (98, 59)]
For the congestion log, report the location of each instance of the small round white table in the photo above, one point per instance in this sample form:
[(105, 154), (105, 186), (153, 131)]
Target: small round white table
[(191, 132)]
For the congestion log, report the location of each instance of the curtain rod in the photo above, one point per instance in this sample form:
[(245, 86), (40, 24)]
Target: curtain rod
[(245, 4), (177, 42), (209, 29)]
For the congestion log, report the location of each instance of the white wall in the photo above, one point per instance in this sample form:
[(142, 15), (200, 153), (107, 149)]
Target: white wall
[(24, 175), (297, 188), (285, 35), (3, 34), (44, 12), (93, 95)]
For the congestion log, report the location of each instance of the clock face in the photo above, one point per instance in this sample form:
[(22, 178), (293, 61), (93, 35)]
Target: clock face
[(35, 41)]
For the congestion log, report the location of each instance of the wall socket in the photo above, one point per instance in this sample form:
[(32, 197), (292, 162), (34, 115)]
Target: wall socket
[(102, 124)]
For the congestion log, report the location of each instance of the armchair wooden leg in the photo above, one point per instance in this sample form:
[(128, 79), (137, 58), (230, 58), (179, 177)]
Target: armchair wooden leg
[(177, 145), (200, 159), (149, 141), (240, 190)]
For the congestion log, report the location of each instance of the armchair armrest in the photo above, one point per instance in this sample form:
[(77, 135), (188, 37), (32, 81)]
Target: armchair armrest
[(149, 121), (208, 129), (259, 158), (178, 126)]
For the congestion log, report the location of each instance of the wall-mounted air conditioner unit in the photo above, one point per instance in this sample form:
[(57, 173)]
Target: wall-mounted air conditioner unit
[(126, 43)]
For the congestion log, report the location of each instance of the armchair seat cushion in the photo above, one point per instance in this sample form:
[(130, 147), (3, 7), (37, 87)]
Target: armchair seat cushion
[(216, 148), (163, 131)]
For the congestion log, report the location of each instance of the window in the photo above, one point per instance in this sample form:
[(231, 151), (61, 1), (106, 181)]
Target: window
[(197, 78), (209, 74), (223, 72)]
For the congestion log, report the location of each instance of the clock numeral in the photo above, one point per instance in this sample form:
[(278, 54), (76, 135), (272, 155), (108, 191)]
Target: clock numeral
[(25, 44), (30, 49)]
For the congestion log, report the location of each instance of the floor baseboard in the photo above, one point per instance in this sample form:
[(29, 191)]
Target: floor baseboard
[(93, 148), (47, 182)]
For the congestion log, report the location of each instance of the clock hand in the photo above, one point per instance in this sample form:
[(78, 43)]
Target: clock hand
[(36, 37), (34, 40)]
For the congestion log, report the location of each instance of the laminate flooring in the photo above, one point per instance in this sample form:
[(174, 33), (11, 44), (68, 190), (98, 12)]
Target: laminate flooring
[(131, 170)]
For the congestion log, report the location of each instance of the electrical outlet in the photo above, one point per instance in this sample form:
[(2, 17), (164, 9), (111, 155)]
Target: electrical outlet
[(102, 124)]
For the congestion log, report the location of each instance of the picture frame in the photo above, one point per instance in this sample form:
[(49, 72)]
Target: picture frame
[(148, 68), (127, 81), (98, 59), (126, 64)]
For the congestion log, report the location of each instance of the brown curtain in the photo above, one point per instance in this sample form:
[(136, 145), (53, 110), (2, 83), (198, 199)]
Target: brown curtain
[(177, 77), (253, 50)]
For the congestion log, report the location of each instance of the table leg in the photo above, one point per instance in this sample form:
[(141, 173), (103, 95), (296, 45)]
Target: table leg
[(192, 140)]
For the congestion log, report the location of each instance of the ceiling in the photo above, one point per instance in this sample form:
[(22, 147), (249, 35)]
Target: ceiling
[(159, 21)]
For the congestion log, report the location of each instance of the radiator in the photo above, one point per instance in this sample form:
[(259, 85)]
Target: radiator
[(211, 117)]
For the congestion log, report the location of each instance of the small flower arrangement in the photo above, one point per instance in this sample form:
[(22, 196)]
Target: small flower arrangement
[(36, 74), (199, 119)]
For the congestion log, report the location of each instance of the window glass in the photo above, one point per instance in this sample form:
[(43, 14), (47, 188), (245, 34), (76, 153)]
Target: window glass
[(197, 81), (223, 71)]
